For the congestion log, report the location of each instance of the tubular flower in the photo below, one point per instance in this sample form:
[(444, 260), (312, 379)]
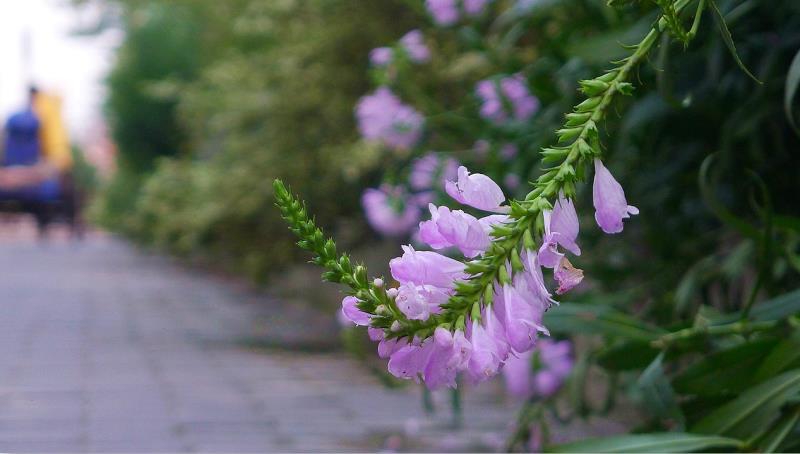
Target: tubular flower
[(351, 311), (609, 200), (560, 228), (448, 228), (476, 190), (426, 268), (390, 211), (417, 302)]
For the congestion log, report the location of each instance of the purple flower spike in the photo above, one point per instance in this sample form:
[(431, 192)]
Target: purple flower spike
[(560, 228), (426, 268), (414, 45), (351, 311), (444, 12), (476, 190), (609, 200), (454, 228)]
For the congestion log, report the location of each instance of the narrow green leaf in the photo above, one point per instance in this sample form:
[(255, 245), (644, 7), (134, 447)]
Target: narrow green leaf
[(728, 371), (792, 83), (626, 355), (728, 38), (655, 442), (751, 413), (657, 394), (579, 318), (777, 308), (780, 358), (773, 439)]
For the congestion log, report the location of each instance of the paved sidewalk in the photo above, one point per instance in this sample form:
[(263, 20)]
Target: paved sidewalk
[(103, 348)]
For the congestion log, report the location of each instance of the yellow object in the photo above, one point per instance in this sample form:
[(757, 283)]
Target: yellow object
[(53, 132)]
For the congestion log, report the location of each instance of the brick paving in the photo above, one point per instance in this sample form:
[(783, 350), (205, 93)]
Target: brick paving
[(104, 348)]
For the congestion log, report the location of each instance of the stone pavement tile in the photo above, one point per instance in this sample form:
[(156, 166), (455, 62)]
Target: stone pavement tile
[(38, 444)]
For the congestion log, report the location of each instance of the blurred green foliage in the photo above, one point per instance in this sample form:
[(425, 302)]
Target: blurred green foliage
[(234, 94)]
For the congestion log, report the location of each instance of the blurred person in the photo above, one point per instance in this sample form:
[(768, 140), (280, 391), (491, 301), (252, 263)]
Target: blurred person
[(35, 170)]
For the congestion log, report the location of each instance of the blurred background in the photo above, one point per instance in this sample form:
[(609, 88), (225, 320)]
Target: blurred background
[(155, 301)]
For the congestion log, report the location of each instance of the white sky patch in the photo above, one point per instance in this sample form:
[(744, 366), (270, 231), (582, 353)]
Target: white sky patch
[(72, 66)]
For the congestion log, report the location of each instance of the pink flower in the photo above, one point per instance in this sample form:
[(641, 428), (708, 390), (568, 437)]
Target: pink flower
[(426, 170), (525, 377), (409, 361), (437, 360), (476, 190), (489, 350), (567, 276), (520, 306), (426, 268), (444, 12), (609, 200), (487, 222), (474, 7), (454, 228), (415, 46), (450, 355), (382, 116), (560, 228), (380, 56), (510, 92), (351, 311), (418, 302), (390, 211), (522, 317)]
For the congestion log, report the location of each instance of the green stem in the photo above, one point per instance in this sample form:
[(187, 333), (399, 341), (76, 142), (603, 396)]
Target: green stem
[(737, 328)]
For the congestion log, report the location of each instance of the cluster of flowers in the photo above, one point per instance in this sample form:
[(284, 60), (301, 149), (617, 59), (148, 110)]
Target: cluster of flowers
[(394, 211), (506, 99), (447, 12), (412, 44), (383, 117), (525, 377), (511, 320)]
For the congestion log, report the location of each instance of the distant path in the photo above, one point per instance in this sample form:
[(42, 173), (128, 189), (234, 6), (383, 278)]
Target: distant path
[(103, 348)]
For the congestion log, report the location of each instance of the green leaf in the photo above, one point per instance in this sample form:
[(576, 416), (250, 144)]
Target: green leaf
[(792, 83), (728, 38), (751, 413), (782, 356), (655, 442), (657, 394), (773, 439), (728, 371), (626, 355), (777, 308), (576, 318)]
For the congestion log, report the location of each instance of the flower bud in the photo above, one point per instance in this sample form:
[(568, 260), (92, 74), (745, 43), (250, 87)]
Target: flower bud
[(391, 293), (382, 310), (377, 282), (395, 326)]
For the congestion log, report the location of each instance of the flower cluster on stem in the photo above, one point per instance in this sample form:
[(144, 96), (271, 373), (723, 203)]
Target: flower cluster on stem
[(449, 316)]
